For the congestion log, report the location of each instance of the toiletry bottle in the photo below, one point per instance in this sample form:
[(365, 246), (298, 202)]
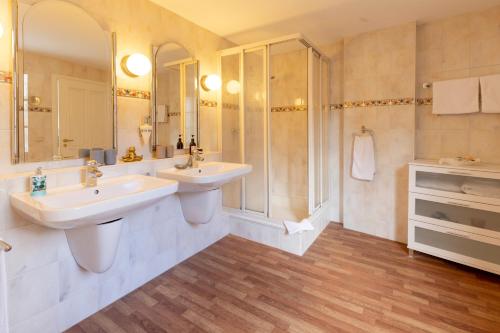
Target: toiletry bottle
[(38, 183), (192, 145), (180, 145)]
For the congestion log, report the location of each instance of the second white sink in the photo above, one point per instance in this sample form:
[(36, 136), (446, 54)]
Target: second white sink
[(206, 176), (199, 188)]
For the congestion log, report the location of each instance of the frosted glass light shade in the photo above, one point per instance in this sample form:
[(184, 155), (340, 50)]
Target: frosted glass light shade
[(136, 65), (211, 82), (233, 87)]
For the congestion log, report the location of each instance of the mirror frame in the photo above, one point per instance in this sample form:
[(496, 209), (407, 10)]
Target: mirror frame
[(154, 139), (16, 157)]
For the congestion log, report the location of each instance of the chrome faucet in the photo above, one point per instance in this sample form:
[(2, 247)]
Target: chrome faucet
[(92, 172), (197, 157), (193, 160)]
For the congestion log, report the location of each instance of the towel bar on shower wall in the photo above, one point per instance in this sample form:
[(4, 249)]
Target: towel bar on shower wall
[(5, 246)]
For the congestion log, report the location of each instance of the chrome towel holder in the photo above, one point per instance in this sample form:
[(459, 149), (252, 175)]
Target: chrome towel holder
[(5, 246)]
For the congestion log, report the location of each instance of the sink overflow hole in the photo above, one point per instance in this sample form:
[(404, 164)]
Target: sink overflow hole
[(96, 192), (199, 170)]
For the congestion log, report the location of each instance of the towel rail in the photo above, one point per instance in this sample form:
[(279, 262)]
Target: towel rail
[(365, 130), (5, 246)]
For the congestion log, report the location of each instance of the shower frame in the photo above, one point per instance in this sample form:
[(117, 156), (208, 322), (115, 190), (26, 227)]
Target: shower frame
[(266, 47)]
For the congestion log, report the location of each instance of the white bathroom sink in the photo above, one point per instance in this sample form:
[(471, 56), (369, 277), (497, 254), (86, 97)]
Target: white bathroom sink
[(207, 176), (78, 206)]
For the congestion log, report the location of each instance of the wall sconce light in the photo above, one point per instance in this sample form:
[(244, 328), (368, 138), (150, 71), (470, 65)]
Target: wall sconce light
[(210, 82), (233, 87), (136, 64)]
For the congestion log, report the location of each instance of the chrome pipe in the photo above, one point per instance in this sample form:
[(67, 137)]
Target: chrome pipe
[(5, 246)]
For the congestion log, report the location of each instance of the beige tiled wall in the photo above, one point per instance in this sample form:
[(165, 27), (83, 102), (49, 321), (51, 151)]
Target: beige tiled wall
[(458, 47), (380, 65), (335, 52)]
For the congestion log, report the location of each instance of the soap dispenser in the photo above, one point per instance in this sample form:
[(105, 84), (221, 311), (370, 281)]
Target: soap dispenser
[(38, 183), (180, 145), (192, 145)]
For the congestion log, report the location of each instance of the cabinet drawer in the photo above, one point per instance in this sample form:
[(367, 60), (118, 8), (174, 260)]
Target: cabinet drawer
[(468, 185), (478, 218), (468, 249)]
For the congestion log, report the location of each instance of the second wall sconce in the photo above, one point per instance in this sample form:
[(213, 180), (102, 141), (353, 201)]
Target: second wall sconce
[(210, 82), (136, 65)]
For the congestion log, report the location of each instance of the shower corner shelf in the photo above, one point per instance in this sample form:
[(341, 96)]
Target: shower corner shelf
[(454, 213)]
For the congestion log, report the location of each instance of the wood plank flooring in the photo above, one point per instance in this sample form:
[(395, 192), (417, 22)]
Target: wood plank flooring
[(346, 282)]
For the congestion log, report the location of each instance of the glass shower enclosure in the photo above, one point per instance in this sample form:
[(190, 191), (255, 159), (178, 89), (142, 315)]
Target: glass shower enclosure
[(274, 107)]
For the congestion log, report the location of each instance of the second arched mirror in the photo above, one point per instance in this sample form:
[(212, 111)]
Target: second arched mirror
[(175, 97)]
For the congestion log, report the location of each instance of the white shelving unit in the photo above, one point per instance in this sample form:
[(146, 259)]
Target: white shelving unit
[(454, 213)]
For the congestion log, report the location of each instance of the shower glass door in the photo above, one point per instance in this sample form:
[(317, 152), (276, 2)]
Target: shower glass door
[(255, 152), (230, 113), (288, 133)]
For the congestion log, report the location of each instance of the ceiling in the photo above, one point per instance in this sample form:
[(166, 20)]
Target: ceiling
[(322, 21)]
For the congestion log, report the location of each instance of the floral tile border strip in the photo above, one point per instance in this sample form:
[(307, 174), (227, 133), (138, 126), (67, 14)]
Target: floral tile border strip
[(374, 103), (41, 109), (5, 77), (424, 101), (133, 93), (289, 108), (207, 103)]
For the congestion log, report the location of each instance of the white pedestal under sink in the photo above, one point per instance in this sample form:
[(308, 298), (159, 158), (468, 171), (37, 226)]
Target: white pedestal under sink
[(199, 188), (92, 216)]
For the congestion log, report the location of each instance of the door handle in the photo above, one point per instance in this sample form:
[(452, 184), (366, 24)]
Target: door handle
[(68, 140), (457, 235), (458, 173), (457, 204)]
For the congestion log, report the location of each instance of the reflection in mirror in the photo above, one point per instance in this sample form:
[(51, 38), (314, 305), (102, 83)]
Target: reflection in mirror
[(175, 92), (64, 82)]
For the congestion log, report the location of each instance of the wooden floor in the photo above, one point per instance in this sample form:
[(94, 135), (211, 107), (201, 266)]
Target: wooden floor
[(346, 282)]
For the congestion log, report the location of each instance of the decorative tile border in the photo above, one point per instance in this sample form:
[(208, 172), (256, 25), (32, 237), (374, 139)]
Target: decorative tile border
[(336, 107), (373, 103), (133, 93), (5, 77), (230, 106), (289, 108), (40, 109), (207, 103), (424, 101)]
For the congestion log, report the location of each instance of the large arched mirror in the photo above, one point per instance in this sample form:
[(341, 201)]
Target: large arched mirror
[(64, 82), (175, 96)]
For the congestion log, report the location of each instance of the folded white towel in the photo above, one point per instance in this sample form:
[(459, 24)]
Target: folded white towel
[(490, 94), (294, 227), (456, 96), (363, 158), (161, 113), (483, 188), (4, 319)]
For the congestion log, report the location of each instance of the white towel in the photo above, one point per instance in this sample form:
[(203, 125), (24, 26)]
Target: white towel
[(294, 227), (483, 188), (161, 114), (363, 158), (456, 96), (4, 319), (490, 94)]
